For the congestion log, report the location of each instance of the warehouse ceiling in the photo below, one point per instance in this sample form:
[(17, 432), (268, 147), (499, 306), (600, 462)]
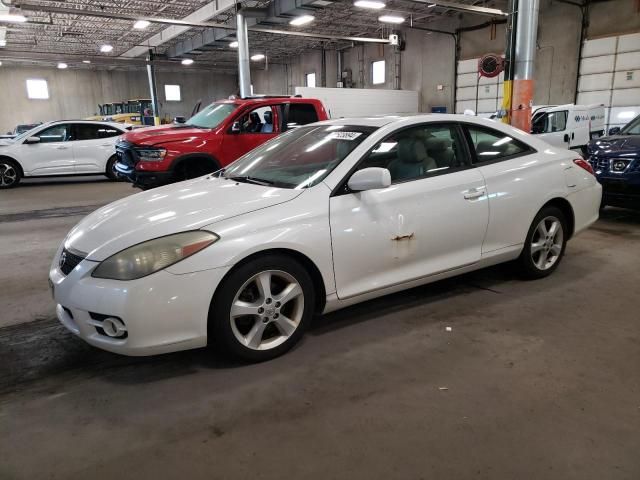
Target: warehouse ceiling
[(78, 28)]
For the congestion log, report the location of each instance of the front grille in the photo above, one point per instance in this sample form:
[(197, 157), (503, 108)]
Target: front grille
[(126, 154), (68, 261), (601, 164)]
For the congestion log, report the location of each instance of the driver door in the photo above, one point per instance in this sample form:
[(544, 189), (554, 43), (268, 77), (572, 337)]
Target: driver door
[(552, 128), (53, 155), (250, 130), (431, 219)]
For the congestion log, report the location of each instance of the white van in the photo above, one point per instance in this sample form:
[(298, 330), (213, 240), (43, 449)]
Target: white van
[(568, 126)]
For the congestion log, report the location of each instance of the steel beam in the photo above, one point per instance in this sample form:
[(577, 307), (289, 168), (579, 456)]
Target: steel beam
[(492, 12)]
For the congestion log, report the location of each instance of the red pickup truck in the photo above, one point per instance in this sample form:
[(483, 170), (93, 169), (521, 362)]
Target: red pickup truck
[(210, 140)]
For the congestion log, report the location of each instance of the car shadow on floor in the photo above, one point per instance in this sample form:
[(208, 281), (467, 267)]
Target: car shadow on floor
[(49, 181)]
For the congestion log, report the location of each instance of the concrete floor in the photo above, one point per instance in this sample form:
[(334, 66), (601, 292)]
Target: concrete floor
[(536, 380)]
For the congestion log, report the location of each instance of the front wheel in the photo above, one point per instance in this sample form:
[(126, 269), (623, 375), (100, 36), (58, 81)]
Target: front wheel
[(262, 308), (9, 173), (545, 244)]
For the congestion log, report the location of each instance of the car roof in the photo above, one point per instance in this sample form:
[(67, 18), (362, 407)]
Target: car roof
[(382, 120), (268, 99)]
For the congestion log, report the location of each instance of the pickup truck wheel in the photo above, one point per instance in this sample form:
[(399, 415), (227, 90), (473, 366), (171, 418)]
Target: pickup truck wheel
[(111, 172), (9, 173)]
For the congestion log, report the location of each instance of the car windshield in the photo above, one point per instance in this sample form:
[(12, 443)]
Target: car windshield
[(300, 158), (24, 134), (632, 128), (212, 116)]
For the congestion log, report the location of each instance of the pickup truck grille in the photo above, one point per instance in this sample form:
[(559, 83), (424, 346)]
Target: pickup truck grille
[(126, 154)]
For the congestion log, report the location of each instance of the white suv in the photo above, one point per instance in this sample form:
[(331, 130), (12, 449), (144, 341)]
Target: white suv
[(67, 147)]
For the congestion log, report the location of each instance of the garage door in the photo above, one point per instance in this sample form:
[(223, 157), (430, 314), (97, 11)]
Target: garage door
[(489, 90), (610, 75)]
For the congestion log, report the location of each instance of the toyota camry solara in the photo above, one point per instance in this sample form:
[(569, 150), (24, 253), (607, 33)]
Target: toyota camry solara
[(322, 217)]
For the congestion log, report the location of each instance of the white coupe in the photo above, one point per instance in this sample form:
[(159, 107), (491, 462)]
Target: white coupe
[(322, 217), (67, 147)]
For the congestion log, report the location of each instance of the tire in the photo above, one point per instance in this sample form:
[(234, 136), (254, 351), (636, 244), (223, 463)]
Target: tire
[(260, 327), (545, 244), (10, 173), (111, 170)]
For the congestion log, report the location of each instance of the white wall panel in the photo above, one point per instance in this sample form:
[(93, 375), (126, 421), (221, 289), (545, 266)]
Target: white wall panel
[(627, 79), (628, 61), (597, 81), (626, 96), (588, 98), (467, 79), (601, 64), (600, 46), (468, 66), (629, 43), (623, 115)]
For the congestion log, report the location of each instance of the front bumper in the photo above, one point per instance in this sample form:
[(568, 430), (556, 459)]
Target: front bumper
[(621, 191), (162, 312), (142, 179)]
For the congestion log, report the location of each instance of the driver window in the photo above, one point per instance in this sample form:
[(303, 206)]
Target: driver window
[(550, 122), (258, 120), (418, 152), (57, 133)]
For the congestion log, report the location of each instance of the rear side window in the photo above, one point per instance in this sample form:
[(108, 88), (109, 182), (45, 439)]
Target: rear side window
[(86, 131), (492, 145), (301, 114)]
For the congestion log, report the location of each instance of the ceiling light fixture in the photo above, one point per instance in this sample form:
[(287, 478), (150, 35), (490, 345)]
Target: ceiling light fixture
[(257, 57), (13, 18), (141, 24), (106, 48), (390, 19), (86, 61), (369, 4), (233, 44), (302, 20), (187, 61), (432, 5), (62, 66)]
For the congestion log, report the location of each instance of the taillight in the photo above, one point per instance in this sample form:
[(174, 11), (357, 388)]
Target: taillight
[(582, 163)]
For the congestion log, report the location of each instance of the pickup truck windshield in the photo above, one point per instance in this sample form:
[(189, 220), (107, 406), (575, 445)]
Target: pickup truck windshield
[(300, 158), (212, 116)]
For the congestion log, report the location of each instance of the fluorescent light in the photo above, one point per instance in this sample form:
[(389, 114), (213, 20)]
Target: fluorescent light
[(0, 64), (432, 5), (3, 43), (141, 24), (187, 61), (86, 61), (302, 20), (106, 48), (62, 66), (257, 57), (13, 18), (390, 19), (233, 44), (372, 4)]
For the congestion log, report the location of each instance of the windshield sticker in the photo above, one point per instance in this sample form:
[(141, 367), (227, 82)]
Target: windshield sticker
[(344, 135)]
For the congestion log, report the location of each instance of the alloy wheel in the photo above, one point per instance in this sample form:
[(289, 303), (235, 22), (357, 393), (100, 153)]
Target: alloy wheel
[(546, 243), (267, 310), (8, 175)]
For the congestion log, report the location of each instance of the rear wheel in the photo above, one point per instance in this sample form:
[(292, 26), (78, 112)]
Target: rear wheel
[(545, 244), (262, 309), (9, 173), (111, 171)]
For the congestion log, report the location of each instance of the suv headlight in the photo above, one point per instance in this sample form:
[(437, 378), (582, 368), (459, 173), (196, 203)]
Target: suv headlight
[(151, 154), (153, 255)]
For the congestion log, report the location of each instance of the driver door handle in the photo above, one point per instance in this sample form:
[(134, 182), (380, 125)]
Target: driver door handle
[(62, 147), (474, 193)]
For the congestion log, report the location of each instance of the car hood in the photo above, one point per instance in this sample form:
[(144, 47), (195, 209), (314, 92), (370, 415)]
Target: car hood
[(6, 143), (616, 144), (180, 207), (163, 134)]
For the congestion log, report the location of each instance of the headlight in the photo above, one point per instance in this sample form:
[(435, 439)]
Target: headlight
[(151, 154), (149, 257)]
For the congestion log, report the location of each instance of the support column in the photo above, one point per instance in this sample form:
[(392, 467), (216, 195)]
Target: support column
[(510, 57), (151, 73), (525, 51), (244, 69)]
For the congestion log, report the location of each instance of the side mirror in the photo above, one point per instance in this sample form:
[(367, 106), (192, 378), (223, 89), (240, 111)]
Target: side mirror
[(179, 120), (566, 138), (371, 178), (614, 131), (236, 127), (32, 140)]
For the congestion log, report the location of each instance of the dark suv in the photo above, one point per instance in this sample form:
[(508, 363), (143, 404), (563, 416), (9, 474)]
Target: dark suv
[(616, 162), (211, 139)]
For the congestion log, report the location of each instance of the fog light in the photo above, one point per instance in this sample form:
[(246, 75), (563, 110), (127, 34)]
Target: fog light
[(114, 327)]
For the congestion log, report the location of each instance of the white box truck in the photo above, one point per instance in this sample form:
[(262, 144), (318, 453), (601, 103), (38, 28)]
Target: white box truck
[(363, 102), (568, 126)]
